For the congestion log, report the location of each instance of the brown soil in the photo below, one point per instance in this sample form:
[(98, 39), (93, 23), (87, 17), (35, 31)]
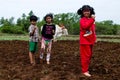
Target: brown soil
[(65, 63)]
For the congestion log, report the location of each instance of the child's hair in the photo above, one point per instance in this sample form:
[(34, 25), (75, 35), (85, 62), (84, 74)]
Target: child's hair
[(48, 15), (85, 7), (33, 18)]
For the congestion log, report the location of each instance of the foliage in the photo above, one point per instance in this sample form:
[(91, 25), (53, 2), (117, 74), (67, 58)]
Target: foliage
[(70, 20), (106, 28), (12, 30)]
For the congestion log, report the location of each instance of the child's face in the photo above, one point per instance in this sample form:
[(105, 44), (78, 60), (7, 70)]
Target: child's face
[(48, 20), (61, 24), (86, 13), (33, 22)]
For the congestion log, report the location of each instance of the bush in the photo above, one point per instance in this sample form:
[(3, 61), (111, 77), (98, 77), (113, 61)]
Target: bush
[(12, 29), (106, 29)]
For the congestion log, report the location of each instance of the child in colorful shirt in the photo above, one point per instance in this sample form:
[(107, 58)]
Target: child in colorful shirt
[(47, 34), (34, 38)]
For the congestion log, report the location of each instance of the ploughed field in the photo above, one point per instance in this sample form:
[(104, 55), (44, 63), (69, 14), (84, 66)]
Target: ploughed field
[(65, 62)]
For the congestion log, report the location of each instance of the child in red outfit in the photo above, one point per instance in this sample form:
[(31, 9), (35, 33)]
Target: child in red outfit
[(86, 42)]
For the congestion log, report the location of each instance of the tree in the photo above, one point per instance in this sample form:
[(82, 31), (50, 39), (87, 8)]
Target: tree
[(70, 20), (24, 22), (19, 22), (11, 21), (106, 27), (2, 20), (31, 13)]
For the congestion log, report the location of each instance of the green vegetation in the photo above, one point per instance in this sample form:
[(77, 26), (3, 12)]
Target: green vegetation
[(107, 28), (12, 30), (106, 38), (70, 20), (9, 30), (5, 36)]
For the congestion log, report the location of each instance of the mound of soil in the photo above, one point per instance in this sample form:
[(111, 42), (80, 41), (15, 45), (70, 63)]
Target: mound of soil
[(65, 63)]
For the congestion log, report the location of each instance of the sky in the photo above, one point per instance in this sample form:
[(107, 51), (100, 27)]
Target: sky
[(105, 9)]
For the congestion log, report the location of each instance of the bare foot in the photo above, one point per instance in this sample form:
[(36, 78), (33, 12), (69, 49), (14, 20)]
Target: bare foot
[(33, 64), (48, 62), (87, 74)]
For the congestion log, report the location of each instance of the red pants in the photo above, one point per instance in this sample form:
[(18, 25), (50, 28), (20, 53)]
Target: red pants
[(85, 53)]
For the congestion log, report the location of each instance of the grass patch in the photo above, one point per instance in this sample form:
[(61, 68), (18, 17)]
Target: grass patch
[(109, 40), (14, 38), (114, 38), (5, 36)]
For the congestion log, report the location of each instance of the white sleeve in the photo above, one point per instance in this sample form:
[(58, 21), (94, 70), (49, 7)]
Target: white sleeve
[(41, 28), (58, 32)]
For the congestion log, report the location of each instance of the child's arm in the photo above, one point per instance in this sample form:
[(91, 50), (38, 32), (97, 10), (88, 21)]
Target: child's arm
[(86, 23), (54, 29), (32, 31), (41, 29), (93, 16), (54, 35)]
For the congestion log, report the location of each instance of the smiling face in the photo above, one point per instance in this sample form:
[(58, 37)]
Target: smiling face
[(86, 13)]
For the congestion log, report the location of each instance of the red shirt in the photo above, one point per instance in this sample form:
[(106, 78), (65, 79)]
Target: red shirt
[(87, 24)]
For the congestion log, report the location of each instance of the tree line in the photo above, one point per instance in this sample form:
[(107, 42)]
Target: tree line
[(70, 20)]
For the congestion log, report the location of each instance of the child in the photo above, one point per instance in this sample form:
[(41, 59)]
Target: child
[(86, 42), (34, 38), (58, 32), (64, 30), (88, 31), (47, 34)]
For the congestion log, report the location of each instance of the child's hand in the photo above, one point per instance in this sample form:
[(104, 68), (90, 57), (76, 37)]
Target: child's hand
[(40, 39), (35, 28), (53, 31), (96, 41), (93, 16)]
